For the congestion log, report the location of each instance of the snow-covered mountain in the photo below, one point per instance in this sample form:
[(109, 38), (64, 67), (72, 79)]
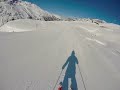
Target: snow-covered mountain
[(15, 9)]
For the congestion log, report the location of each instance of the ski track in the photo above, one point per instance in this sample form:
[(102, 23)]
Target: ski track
[(97, 41)]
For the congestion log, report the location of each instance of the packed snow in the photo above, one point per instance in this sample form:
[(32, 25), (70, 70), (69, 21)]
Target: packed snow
[(33, 60)]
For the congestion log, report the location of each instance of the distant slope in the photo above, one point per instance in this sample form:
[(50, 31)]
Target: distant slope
[(22, 25), (23, 10)]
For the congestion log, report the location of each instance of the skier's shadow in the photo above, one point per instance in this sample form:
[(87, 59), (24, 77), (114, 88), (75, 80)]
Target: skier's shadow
[(70, 72)]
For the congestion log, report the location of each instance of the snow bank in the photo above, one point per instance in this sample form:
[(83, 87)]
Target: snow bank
[(19, 26)]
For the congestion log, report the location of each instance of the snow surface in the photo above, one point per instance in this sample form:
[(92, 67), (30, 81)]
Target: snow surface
[(33, 60)]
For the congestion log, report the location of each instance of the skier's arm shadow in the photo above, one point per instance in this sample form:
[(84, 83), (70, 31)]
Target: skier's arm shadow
[(65, 63)]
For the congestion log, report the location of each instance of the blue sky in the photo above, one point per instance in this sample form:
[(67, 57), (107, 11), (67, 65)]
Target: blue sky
[(108, 10)]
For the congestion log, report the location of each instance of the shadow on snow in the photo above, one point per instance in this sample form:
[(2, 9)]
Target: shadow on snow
[(70, 72)]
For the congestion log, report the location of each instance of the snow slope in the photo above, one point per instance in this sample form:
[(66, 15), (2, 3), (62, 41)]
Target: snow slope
[(23, 10), (33, 60)]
